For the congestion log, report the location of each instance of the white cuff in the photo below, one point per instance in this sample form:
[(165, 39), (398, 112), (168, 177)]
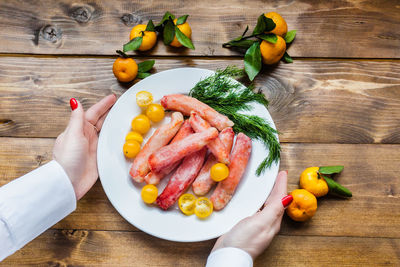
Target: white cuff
[(232, 257), (32, 203)]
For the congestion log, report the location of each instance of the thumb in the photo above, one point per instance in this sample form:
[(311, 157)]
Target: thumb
[(76, 121), (274, 200)]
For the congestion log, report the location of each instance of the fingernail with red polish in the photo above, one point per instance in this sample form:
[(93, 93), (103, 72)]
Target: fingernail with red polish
[(287, 172), (287, 200), (73, 103)]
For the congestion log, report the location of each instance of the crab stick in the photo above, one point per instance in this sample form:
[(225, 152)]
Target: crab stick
[(181, 179), (215, 146), (186, 104), (160, 138), (239, 158), (156, 177), (172, 153), (204, 182)]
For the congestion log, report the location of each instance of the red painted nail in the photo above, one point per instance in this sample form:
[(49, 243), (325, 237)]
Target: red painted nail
[(287, 172), (73, 103), (287, 200)]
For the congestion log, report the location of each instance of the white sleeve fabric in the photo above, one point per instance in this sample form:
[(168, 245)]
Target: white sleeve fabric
[(31, 204), (232, 257)]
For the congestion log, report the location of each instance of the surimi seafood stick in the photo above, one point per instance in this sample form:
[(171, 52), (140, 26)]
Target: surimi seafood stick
[(181, 179), (154, 177), (171, 153), (239, 158), (226, 136), (215, 146), (204, 182), (186, 104), (160, 138)]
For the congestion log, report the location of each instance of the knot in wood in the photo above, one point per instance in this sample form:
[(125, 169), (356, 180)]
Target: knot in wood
[(81, 14), (131, 19), (51, 33)]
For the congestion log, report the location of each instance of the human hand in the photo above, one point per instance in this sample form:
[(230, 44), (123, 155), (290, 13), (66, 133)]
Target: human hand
[(254, 234), (75, 149)]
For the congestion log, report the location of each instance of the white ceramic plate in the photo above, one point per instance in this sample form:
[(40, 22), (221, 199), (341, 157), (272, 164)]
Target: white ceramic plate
[(125, 194)]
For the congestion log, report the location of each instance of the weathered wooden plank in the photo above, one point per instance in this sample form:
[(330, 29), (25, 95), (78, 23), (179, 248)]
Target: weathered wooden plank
[(372, 212), (325, 29), (104, 248), (311, 100)]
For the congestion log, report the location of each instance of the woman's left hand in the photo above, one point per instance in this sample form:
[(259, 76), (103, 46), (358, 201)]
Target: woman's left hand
[(75, 149)]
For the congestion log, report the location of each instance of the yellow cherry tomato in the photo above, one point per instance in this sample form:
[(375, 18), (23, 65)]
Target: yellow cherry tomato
[(187, 203), (131, 148), (144, 98), (134, 136), (219, 172), (149, 193), (155, 112), (141, 124), (203, 207)]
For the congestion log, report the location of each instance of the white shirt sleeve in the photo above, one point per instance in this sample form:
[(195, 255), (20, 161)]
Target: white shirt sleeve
[(31, 204), (232, 257)]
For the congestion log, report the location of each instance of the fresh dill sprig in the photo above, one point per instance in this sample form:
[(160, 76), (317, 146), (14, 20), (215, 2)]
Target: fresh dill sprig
[(227, 96)]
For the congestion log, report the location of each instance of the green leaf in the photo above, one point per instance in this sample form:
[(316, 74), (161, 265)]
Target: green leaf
[(330, 169), (169, 32), (252, 60), (182, 19), (150, 26), (287, 58), (133, 44), (269, 37), (239, 43), (337, 189), (270, 24), (264, 24), (289, 37), (146, 65), (183, 39), (142, 75), (166, 17)]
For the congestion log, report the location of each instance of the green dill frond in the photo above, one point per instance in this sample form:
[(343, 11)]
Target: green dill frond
[(227, 96)]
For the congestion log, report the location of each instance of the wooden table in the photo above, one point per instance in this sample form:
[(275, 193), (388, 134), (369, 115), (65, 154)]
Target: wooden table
[(338, 103)]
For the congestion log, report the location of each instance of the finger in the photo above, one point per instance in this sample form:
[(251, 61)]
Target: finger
[(280, 188), (273, 205), (95, 112), (76, 120), (100, 122)]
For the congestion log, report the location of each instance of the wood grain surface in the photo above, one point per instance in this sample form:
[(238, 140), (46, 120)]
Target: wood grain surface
[(372, 212), (323, 101), (105, 248), (362, 29)]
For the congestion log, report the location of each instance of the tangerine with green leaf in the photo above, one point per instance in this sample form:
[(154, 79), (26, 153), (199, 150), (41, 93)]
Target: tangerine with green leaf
[(149, 38), (185, 29), (272, 53), (281, 26)]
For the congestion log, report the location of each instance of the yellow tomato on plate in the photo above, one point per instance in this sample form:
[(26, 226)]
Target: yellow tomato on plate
[(203, 207), (134, 136), (219, 172), (149, 193), (141, 124), (131, 148), (144, 98), (186, 203), (155, 112)]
